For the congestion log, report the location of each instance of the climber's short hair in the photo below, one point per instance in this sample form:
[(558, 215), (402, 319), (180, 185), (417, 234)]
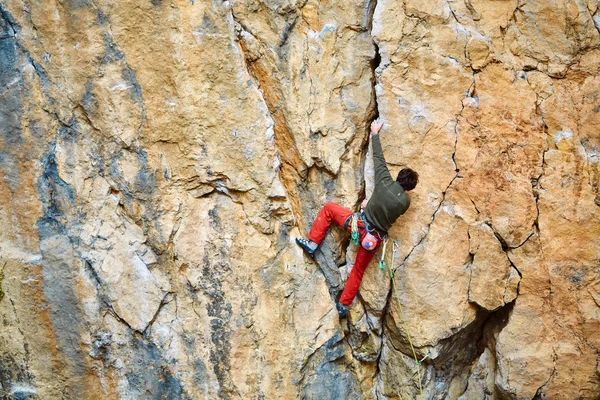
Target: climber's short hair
[(408, 179)]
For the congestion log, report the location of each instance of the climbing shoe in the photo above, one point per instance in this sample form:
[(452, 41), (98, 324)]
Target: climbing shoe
[(308, 245), (342, 309)]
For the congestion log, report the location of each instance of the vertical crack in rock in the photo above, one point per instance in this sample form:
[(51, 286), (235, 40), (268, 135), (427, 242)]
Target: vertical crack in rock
[(490, 323), (535, 183), (375, 63), (539, 394), (373, 115), (1, 278), (262, 69), (374, 105), (378, 361)]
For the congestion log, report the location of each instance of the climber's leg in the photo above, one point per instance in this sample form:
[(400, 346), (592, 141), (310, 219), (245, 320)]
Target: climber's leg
[(330, 212), (363, 257)]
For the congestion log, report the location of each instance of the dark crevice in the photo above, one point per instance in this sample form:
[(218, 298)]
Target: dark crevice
[(375, 63), (165, 300), (539, 393), (505, 246), (97, 280), (112, 312), (371, 12), (289, 26), (469, 265), (1, 278), (492, 323), (11, 23), (99, 283)]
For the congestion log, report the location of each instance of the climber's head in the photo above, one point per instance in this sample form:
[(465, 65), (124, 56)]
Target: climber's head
[(408, 179)]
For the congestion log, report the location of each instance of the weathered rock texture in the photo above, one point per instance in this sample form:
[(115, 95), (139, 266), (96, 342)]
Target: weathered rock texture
[(157, 159)]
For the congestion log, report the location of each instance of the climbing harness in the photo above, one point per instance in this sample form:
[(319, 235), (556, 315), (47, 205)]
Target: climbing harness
[(382, 266), (369, 241)]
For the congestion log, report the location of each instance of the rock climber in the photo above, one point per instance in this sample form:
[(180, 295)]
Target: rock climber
[(388, 202)]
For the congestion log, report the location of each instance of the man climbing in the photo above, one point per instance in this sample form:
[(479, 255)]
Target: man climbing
[(388, 202)]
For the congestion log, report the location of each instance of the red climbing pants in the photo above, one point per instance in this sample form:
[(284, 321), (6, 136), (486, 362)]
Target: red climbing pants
[(338, 214)]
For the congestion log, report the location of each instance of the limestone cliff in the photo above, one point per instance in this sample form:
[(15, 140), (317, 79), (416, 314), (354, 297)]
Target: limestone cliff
[(158, 158)]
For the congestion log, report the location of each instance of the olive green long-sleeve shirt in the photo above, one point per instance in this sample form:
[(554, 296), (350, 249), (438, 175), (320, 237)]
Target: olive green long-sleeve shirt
[(389, 200)]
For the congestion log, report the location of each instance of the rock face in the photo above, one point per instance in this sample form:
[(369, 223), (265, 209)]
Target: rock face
[(157, 160)]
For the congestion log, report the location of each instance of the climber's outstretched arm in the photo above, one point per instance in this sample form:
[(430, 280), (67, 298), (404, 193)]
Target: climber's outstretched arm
[(382, 174)]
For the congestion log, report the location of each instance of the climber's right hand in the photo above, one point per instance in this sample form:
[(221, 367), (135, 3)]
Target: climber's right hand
[(376, 126)]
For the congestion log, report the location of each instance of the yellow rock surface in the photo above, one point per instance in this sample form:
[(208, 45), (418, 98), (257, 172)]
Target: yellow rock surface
[(158, 159)]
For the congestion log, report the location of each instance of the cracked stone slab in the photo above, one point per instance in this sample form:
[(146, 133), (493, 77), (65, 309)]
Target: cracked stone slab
[(493, 279)]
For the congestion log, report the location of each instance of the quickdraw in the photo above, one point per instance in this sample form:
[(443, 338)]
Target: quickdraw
[(355, 234), (382, 261)]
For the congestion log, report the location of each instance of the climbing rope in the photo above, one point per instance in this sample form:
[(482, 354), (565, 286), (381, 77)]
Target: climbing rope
[(382, 266)]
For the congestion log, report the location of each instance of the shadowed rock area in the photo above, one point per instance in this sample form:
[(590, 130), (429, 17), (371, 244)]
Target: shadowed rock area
[(158, 158)]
